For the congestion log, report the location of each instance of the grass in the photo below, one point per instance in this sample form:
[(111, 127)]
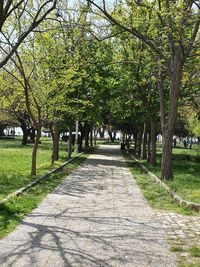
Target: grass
[(13, 211), (195, 251), (192, 253), (186, 182), (156, 196), (15, 164), (177, 249)]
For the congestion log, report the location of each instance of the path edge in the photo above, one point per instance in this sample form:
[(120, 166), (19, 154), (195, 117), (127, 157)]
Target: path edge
[(43, 177), (182, 202)]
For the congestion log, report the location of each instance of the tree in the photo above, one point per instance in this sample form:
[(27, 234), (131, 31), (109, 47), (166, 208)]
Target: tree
[(169, 29), (17, 20)]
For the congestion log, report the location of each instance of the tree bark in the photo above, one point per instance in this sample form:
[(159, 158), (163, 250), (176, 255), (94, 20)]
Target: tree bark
[(87, 132), (144, 143), (55, 140), (148, 146), (91, 137), (34, 153), (26, 132), (2, 127), (139, 141), (170, 123), (70, 143), (153, 142)]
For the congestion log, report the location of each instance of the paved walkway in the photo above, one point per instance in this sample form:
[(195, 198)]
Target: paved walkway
[(96, 217)]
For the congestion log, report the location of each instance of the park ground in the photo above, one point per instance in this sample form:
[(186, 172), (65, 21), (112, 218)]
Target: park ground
[(181, 225)]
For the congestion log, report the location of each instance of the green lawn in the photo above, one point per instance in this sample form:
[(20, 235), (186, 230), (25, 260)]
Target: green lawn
[(157, 197), (15, 163), (186, 182), (13, 211)]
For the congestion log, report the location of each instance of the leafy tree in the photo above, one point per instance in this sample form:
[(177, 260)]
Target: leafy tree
[(169, 29)]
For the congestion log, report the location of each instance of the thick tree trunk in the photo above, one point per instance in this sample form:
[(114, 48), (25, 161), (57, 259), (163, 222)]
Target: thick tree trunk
[(70, 143), (144, 143), (34, 153), (139, 141), (25, 135), (87, 132), (170, 122), (153, 142), (2, 127)]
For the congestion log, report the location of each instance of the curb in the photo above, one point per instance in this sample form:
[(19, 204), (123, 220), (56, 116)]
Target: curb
[(182, 202), (34, 182)]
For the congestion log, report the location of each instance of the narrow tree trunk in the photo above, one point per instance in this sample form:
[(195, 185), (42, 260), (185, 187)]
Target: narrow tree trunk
[(139, 141), (153, 142), (87, 132), (144, 143), (148, 144), (91, 137), (55, 139), (70, 143), (34, 152), (95, 136)]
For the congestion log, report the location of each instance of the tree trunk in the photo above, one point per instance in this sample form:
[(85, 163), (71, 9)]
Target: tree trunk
[(87, 132), (70, 143), (91, 137), (95, 136), (139, 141), (112, 136), (34, 153), (135, 141), (169, 125), (101, 132), (153, 142), (148, 146), (2, 127), (32, 134), (55, 139), (25, 135), (144, 143)]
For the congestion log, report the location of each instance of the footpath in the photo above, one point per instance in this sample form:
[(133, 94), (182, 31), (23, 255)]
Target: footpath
[(96, 217)]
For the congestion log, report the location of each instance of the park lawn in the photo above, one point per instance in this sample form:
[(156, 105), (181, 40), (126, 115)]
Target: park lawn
[(15, 163), (13, 211), (186, 182)]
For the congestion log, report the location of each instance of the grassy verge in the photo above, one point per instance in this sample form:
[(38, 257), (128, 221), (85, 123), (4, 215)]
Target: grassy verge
[(189, 256), (186, 182), (16, 163), (13, 211), (156, 196)]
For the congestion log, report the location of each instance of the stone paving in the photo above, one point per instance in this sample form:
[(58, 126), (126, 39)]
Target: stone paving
[(180, 229), (96, 217)]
